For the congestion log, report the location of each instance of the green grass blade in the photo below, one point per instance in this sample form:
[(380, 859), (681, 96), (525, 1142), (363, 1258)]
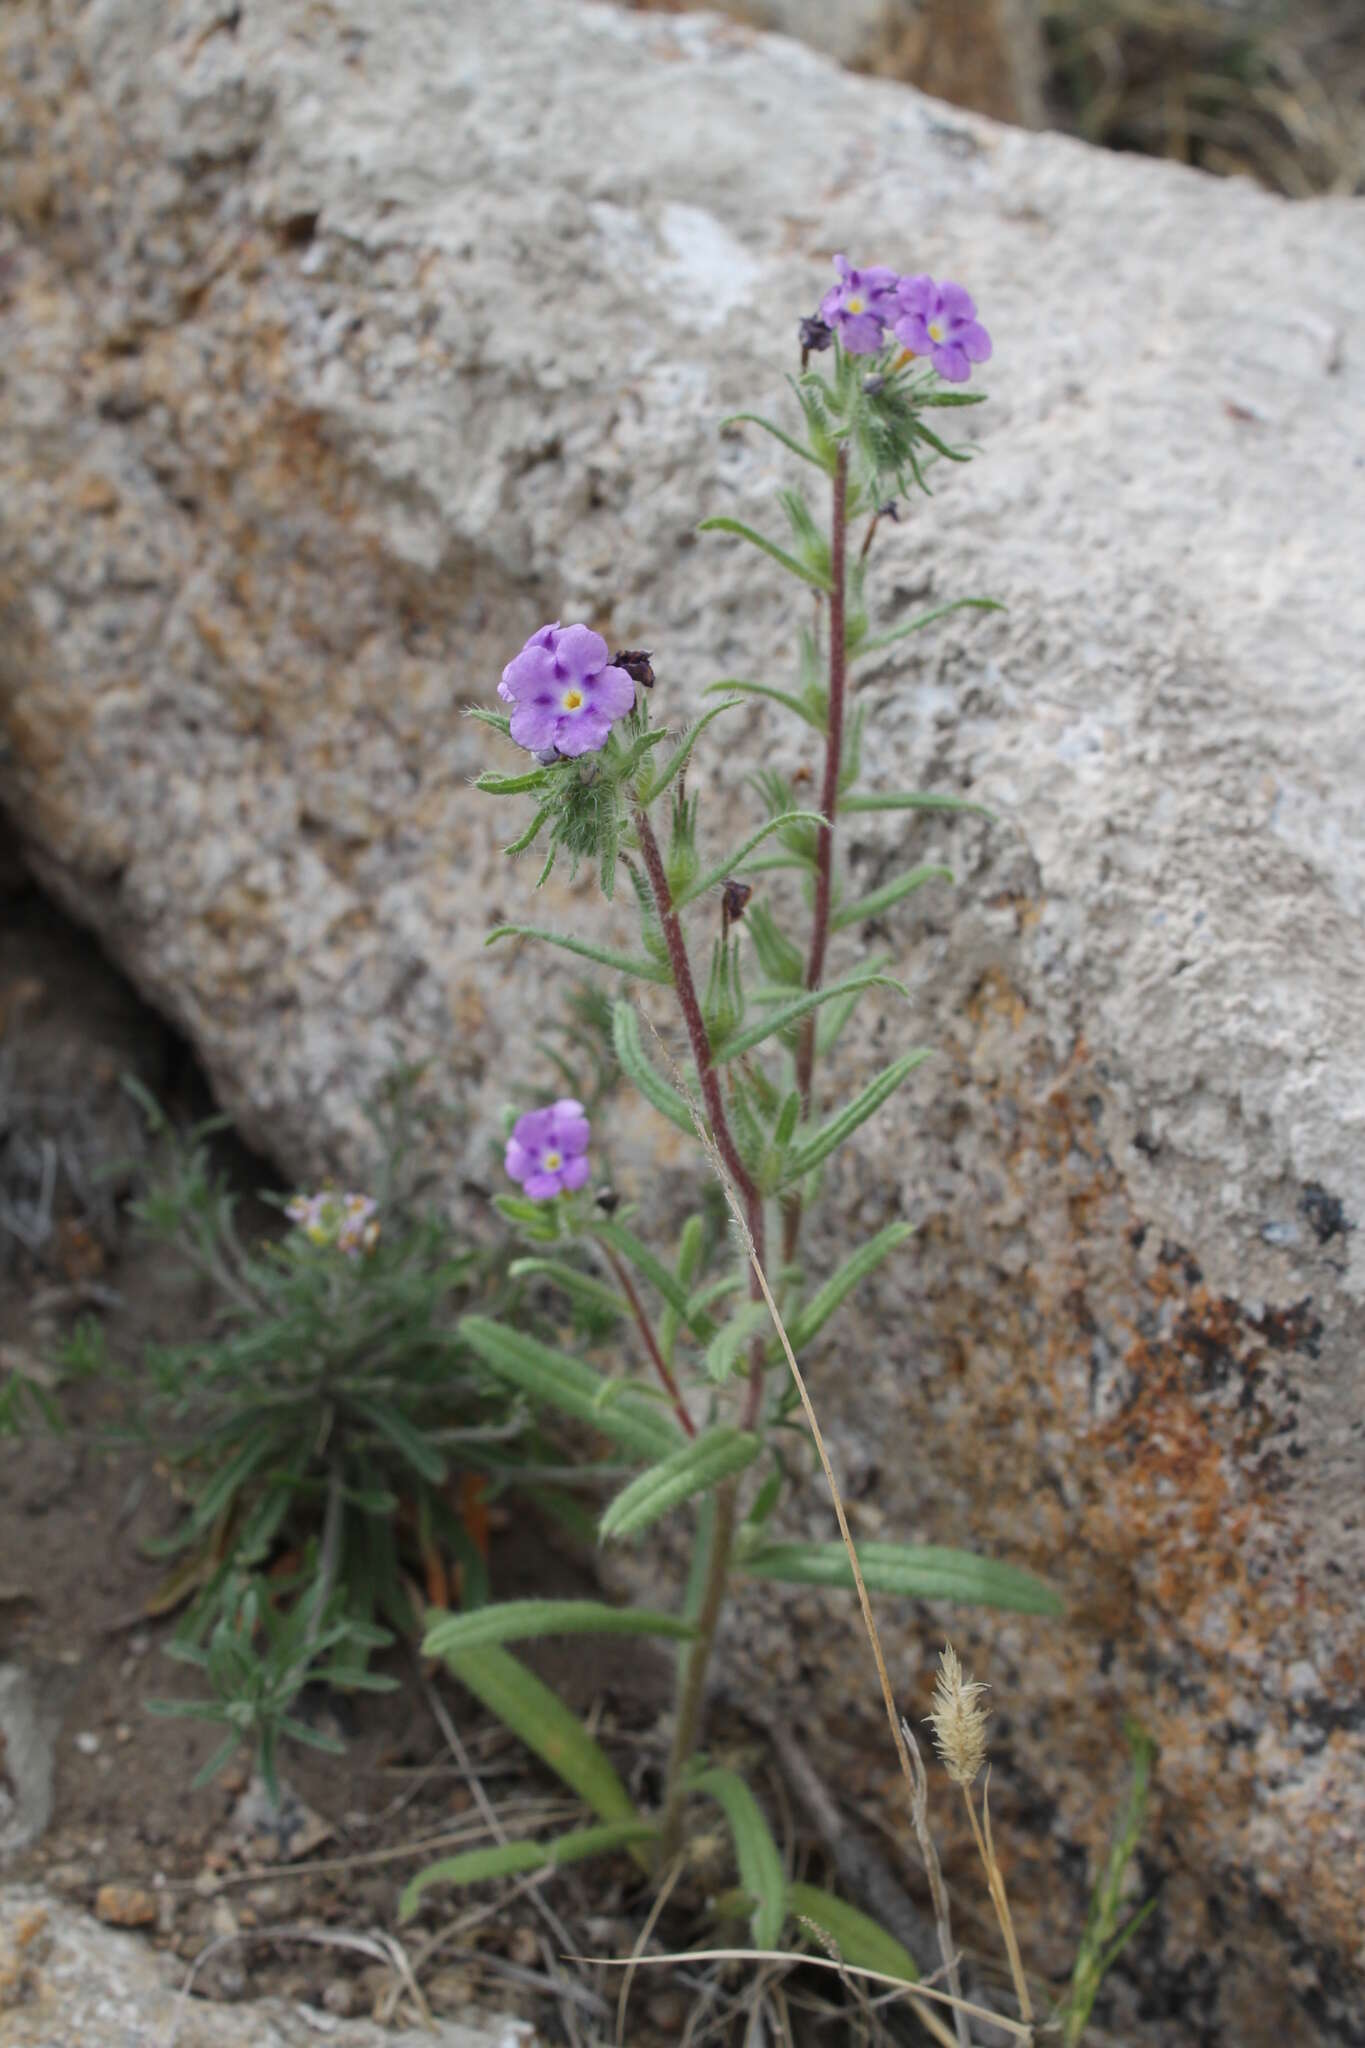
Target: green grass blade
[(859, 1940), (510, 1621), (622, 963), (760, 1864), (882, 899), (511, 1859), (529, 1708), (767, 547), (571, 1386), (914, 1571), (697, 1468)]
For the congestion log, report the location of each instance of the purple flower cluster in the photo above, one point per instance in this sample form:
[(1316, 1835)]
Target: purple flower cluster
[(548, 1149), (564, 691), (929, 319), (349, 1222)]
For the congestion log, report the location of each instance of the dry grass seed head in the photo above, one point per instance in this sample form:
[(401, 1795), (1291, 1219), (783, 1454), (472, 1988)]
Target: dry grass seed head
[(958, 1720)]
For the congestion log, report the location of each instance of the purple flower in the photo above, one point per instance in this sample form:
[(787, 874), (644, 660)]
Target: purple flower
[(548, 1149), (565, 691), (861, 306), (939, 321)]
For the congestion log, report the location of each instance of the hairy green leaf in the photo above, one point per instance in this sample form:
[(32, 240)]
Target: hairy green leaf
[(811, 1318), (880, 641), (786, 1014), (636, 1063), (724, 1351), (699, 1467), (726, 867), (663, 1282), (510, 1621), (815, 715), (569, 1385), (623, 963), (909, 800), (511, 785), (915, 1571), (890, 893), (760, 1864), (769, 427), (807, 1156), (529, 1708), (859, 1940), (580, 1287), (678, 759), (510, 1859), (768, 547)]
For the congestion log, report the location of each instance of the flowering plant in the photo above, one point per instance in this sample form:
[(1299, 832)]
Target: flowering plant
[(608, 783)]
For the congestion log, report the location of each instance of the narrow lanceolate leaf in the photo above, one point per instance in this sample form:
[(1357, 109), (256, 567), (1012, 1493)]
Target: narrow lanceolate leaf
[(769, 427), (580, 1287), (624, 963), (510, 1859), (791, 1013), (569, 1385), (532, 832), (859, 1940), (916, 625), (510, 1621), (724, 1351), (768, 547), (529, 1708), (918, 1572), (635, 1061), (511, 785), (404, 1435), (882, 899), (832, 1022), (678, 759), (663, 1282), (804, 1158), (815, 714), (717, 874), (908, 800), (811, 1318), (760, 1864), (701, 1465)]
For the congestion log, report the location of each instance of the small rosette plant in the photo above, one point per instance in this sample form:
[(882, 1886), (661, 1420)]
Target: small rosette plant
[(699, 1394)]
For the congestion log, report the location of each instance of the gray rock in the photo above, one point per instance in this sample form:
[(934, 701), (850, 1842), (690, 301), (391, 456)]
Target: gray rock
[(27, 1733), (340, 353), (66, 1982)]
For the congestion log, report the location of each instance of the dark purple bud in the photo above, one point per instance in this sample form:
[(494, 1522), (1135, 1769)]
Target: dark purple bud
[(608, 1201), (873, 384), (732, 903), (546, 756), (815, 335), (890, 510), (637, 663)]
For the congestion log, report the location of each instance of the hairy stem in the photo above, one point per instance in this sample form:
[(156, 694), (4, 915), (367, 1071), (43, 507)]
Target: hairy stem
[(651, 1342), (829, 804), (692, 1688)]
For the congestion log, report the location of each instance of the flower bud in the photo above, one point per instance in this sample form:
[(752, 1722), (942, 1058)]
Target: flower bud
[(638, 665)]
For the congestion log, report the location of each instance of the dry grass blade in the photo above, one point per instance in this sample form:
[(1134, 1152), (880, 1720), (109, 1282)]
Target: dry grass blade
[(383, 1948), (664, 1893)]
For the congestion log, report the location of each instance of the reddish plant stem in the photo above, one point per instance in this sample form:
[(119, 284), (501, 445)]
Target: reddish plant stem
[(660, 1363), (829, 804)]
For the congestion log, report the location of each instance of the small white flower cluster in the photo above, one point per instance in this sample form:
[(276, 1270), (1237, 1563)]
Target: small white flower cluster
[(350, 1222)]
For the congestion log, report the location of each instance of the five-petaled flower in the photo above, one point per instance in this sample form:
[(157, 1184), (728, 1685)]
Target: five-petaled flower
[(565, 691), (861, 306), (939, 321), (548, 1149), (349, 1222)]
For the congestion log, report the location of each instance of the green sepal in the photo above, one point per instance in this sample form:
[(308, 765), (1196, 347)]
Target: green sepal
[(812, 1316), (760, 1863), (767, 547), (806, 1157), (635, 1062), (890, 893), (512, 1859), (699, 1467), (782, 1018), (622, 963), (510, 1621), (913, 1571), (779, 958), (784, 1130), (571, 1386), (784, 821)]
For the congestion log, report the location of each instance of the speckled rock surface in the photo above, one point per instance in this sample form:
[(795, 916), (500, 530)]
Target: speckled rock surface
[(338, 353), (66, 1982)]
